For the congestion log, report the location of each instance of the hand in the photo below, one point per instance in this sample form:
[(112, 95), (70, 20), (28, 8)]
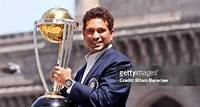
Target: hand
[(59, 75)]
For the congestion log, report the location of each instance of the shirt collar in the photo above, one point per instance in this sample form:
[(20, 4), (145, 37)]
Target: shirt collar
[(96, 55)]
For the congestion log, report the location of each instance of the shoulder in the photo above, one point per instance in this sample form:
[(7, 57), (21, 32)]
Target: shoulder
[(115, 62), (117, 56)]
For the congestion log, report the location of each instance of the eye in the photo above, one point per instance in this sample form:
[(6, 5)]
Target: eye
[(89, 31), (101, 30)]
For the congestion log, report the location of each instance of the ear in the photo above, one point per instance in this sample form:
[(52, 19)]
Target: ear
[(112, 31), (83, 34), (111, 34)]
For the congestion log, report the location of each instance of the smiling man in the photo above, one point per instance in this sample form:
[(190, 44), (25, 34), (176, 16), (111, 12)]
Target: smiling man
[(97, 82)]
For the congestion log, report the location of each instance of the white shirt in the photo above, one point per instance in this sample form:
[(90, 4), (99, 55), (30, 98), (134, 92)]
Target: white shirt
[(90, 59)]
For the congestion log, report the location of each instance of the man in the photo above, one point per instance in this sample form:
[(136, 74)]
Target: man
[(97, 82)]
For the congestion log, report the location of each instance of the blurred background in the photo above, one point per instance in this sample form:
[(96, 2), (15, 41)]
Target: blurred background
[(161, 34)]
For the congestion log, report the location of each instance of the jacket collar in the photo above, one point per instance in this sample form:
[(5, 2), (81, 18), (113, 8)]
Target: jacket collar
[(100, 61)]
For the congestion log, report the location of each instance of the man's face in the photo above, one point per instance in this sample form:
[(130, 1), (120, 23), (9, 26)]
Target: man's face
[(97, 35)]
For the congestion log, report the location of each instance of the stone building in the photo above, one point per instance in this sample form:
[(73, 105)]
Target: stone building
[(154, 33)]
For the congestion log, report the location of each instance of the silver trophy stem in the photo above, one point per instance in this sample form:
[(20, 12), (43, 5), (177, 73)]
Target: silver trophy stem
[(38, 60), (57, 87), (64, 52), (68, 46), (70, 32)]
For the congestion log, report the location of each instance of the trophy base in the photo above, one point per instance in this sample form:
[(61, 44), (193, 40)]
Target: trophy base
[(51, 100)]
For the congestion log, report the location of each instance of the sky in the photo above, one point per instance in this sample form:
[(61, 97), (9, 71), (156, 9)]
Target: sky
[(18, 16)]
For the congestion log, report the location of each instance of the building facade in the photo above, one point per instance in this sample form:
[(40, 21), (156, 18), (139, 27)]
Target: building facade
[(153, 33)]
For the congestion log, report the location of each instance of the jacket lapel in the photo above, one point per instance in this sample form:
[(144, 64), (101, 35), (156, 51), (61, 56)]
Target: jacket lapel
[(100, 61), (80, 73)]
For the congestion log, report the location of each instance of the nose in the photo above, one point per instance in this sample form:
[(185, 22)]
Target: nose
[(95, 36)]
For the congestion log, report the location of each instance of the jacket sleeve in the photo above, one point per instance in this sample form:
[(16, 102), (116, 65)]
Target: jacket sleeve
[(109, 91)]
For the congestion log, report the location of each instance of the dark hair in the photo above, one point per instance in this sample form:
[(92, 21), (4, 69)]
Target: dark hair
[(98, 12)]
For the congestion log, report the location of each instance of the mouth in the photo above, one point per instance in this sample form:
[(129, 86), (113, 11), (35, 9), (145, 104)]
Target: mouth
[(96, 43)]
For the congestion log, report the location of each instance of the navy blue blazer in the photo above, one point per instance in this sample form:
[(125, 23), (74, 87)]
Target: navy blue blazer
[(101, 87)]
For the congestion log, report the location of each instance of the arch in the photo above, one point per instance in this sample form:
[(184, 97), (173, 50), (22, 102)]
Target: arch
[(160, 96), (166, 101)]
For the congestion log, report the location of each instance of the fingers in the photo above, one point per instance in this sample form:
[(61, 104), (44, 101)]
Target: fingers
[(55, 72), (56, 78), (59, 74), (69, 70), (57, 68)]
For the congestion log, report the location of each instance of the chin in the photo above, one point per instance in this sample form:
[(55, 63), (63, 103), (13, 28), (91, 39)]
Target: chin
[(99, 47), (96, 49)]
